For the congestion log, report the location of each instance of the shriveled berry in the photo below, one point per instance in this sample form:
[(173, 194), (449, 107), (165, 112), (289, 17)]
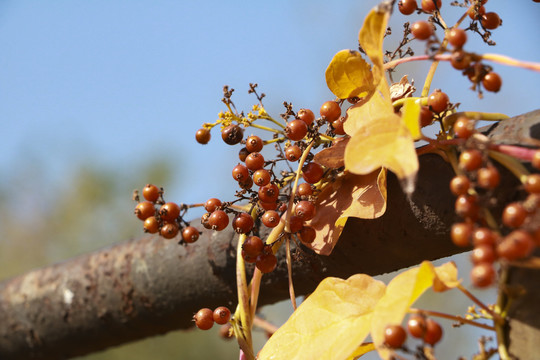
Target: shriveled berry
[(151, 192), (243, 223), (312, 172), (394, 336), (232, 134), (266, 263), (254, 144), (422, 30), (204, 221), (296, 130), (212, 204), (255, 161), (203, 136), (330, 111), (218, 220), (270, 218), (144, 210), (242, 154), (169, 211), (190, 234), (204, 319), (169, 230), (221, 315), (293, 153), (306, 115)]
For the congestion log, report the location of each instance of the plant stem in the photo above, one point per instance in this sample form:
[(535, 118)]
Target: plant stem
[(452, 317), (265, 325), (289, 271), (511, 164), (496, 317), (243, 294), (265, 128), (506, 60)]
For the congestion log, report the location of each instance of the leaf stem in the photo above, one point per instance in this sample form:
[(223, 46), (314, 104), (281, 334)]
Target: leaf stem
[(265, 128), (459, 319)]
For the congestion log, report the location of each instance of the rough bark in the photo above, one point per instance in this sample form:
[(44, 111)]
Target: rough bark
[(150, 286)]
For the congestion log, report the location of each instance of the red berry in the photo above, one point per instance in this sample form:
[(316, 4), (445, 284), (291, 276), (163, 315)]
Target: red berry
[(394, 336), (246, 184), (516, 245), (475, 13), (460, 234), (240, 173), (307, 234), (457, 37), (470, 159), (254, 144), (169, 230), (535, 162), (422, 30), (268, 205), (190, 234), (270, 218), (312, 172), (243, 223), (222, 315), (492, 82), (203, 136), (293, 153), (232, 134), (433, 333), (151, 192), (266, 262), (483, 275), (484, 236), (212, 204), (295, 224), (532, 184), (242, 154), (304, 189), (306, 116), (169, 211), (463, 127), (417, 326), (268, 193), (488, 177), (467, 206), (144, 210), (204, 221), (483, 254), (337, 125), (253, 246), (296, 130), (261, 177), (491, 20), (330, 111), (426, 116), (255, 161), (431, 5), (514, 215), (151, 225), (218, 220), (459, 185), (460, 60), (305, 210), (407, 7), (438, 101), (204, 319)]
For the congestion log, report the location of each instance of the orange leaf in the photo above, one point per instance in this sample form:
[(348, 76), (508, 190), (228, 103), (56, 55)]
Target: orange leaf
[(332, 157), (361, 196), (330, 323), (403, 291)]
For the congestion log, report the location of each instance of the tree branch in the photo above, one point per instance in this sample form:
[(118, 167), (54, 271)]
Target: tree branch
[(150, 285)]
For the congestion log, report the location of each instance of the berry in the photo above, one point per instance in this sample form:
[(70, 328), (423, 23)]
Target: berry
[(304, 189), (422, 30), (407, 7), (433, 333), (266, 262), (460, 233), (470, 159), (270, 218), (254, 144), (240, 173), (242, 154), (253, 246), (246, 184), (293, 153), (268, 205), (488, 177), (490, 20), (483, 254), (305, 210), (218, 220), (514, 215), (459, 185), (492, 82), (532, 184), (169, 211), (151, 225), (484, 236), (261, 177), (204, 221), (295, 224), (151, 192), (417, 326), (232, 134), (431, 5), (203, 136), (225, 332), (212, 204), (306, 116), (296, 130), (330, 111), (457, 37), (248, 258), (307, 234), (426, 116), (394, 336), (169, 230), (268, 193), (438, 101), (460, 60), (255, 161), (204, 319), (312, 172), (483, 275), (337, 125), (516, 245), (475, 13), (243, 223), (222, 315), (144, 210), (467, 206), (463, 127), (190, 234), (535, 162)]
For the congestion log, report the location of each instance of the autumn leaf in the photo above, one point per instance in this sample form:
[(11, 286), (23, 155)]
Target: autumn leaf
[(360, 196), (330, 324), (332, 157), (402, 292), (361, 351), (349, 75)]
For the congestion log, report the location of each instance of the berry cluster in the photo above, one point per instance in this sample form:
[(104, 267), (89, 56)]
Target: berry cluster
[(420, 327), (474, 186), (205, 318)]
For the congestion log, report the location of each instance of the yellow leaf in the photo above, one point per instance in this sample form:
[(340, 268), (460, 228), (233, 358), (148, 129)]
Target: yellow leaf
[(361, 196), (411, 117), (361, 351), (402, 292), (371, 38), (349, 75), (330, 323)]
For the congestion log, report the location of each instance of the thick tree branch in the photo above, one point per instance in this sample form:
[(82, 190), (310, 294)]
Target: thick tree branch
[(150, 286)]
